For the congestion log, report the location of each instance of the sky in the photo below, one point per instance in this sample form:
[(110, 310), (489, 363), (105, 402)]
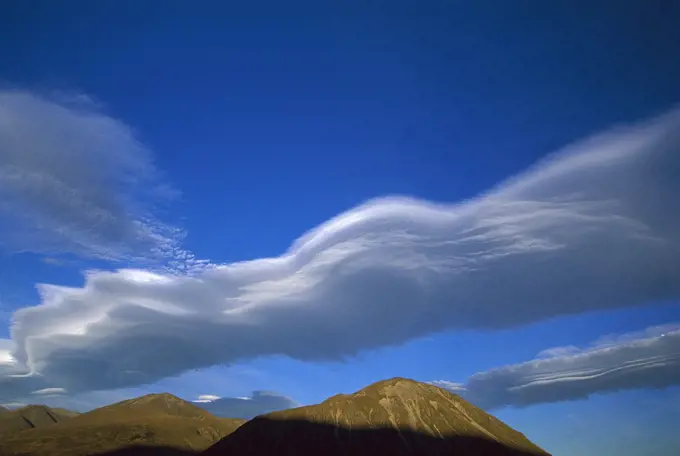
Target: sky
[(256, 207)]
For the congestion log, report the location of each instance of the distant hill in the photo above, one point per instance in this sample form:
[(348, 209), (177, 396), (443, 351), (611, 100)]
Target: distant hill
[(393, 417), (32, 416), (156, 420)]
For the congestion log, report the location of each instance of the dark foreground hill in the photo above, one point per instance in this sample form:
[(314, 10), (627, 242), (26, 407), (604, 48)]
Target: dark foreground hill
[(393, 417), (31, 417), (153, 424)]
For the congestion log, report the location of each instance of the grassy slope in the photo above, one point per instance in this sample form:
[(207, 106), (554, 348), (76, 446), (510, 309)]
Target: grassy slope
[(157, 420), (32, 416), (407, 404)]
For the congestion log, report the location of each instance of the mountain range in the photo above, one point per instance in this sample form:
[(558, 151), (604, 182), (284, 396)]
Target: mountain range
[(398, 416)]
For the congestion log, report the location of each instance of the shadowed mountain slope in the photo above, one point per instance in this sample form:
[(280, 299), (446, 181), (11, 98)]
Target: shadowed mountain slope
[(142, 450), (153, 424), (396, 417)]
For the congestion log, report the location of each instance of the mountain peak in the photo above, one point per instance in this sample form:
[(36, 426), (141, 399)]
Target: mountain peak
[(152, 423), (166, 398), (394, 413), (394, 387), (150, 404), (406, 382), (32, 407)]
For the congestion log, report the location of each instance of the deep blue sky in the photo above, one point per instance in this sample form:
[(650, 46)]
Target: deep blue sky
[(301, 103), (274, 117)]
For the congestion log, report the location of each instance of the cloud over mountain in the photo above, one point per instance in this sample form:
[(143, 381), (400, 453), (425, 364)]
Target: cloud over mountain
[(648, 359), (596, 226), (260, 402)]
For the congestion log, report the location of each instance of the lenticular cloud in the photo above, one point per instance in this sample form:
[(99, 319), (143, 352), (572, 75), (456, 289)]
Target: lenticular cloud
[(650, 359), (595, 226)]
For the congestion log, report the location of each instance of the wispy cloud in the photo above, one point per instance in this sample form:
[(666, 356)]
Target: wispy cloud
[(75, 180), (596, 226), (451, 386), (646, 359), (13, 405)]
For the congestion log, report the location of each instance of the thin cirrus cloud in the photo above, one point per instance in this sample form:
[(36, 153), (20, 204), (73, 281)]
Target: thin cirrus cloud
[(593, 227), (75, 180), (449, 385), (646, 359)]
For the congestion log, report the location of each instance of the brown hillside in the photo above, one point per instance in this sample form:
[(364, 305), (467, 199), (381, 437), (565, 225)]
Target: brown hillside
[(152, 423), (64, 412), (32, 416), (151, 404), (395, 417)]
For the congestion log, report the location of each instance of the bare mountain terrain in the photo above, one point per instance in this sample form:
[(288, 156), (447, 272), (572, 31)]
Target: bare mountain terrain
[(31, 417), (393, 417), (161, 421)]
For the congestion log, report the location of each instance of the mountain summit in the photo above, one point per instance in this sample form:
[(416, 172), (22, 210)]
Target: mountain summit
[(398, 416), (164, 404)]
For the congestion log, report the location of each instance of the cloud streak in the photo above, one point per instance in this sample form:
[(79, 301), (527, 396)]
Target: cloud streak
[(648, 359), (593, 227), (75, 180)]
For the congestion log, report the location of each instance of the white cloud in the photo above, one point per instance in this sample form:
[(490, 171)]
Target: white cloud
[(49, 392), (6, 348), (594, 227), (557, 351), (647, 359), (74, 180), (259, 403), (451, 386), (8, 363), (13, 405), (207, 398)]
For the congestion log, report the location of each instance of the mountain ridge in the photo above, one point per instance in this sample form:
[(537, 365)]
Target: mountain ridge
[(399, 414), (149, 423), (396, 417), (31, 417)]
